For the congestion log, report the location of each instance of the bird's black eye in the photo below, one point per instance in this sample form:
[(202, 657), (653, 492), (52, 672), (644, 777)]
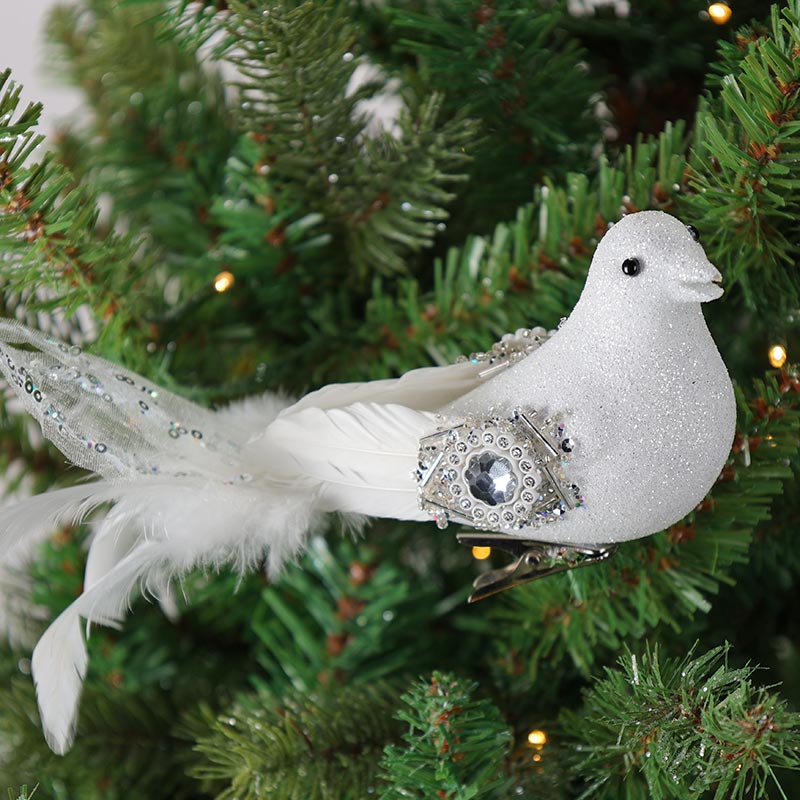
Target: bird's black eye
[(631, 267), (695, 233)]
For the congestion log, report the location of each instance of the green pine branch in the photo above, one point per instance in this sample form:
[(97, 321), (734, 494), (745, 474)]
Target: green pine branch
[(47, 224), (194, 25), (517, 70), (345, 615), (305, 198), (456, 745), (298, 67), (382, 195), (302, 745), (682, 728), (196, 187), (158, 114), (132, 730), (744, 161), (22, 793)]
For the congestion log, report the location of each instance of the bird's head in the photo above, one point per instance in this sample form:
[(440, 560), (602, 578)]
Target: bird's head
[(652, 256)]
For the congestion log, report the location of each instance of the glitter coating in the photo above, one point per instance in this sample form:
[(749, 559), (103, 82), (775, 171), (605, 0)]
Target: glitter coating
[(635, 373)]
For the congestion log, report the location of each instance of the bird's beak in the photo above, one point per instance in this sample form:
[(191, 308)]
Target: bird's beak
[(702, 285)]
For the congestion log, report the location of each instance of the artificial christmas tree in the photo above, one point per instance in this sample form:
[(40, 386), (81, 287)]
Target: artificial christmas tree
[(264, 230)]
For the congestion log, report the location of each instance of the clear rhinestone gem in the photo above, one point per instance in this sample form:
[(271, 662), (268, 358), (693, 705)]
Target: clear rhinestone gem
[(490, 479)]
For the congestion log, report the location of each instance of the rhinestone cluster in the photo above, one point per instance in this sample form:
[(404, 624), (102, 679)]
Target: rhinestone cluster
[(513, 347), (497, 474)]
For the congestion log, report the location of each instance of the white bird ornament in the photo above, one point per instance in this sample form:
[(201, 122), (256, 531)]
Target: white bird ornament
[(555, 447)]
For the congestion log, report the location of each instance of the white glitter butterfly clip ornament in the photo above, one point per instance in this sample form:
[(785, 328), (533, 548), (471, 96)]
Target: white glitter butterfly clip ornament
[(554, 447)]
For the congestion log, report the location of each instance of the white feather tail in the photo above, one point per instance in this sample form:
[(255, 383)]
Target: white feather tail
[(195, 488)]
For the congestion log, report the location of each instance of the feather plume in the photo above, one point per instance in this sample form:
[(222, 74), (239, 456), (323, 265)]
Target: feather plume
[(361, 456), (156, 530), (60, 659), (194, 488), (424, 389), (59, 666), (184, 495), (35, 518)]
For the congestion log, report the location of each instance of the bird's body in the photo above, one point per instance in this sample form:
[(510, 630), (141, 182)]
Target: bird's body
[(633, 374), (644, 419)]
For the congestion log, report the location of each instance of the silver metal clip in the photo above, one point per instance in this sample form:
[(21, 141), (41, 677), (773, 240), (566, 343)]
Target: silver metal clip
[(533, 560)]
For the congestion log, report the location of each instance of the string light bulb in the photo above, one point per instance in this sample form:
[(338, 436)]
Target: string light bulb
[(481, 553), (777, 355), (223, 281), (720, 13), (537, 738)]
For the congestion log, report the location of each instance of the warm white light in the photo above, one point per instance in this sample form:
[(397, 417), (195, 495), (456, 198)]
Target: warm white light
[(720, 13), (223, 281), (537, 738), (777, 355), (481, 553)]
